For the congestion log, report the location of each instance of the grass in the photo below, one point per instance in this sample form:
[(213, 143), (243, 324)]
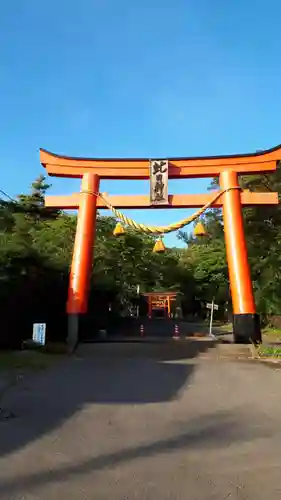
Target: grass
[(14, 365), (269, 352), (225, 327), (272, 332), (266, 351), (26, 360)]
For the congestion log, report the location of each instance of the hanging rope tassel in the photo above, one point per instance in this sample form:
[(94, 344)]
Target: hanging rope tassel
[(119, 230), (159, 246)]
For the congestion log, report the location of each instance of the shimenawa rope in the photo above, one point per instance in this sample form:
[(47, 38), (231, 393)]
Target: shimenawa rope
[(159, 229)]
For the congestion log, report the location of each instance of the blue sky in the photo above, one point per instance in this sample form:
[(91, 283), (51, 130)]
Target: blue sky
[(149, 78)]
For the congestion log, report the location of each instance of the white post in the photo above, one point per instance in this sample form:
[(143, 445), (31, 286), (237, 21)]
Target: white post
[(138, 309), (211, 318)]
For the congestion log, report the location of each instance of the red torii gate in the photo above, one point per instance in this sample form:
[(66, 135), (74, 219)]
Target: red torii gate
[(246, 325), (163, 298)]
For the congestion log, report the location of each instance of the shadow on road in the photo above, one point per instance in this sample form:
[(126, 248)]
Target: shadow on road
[(207, 432), (111, 374)]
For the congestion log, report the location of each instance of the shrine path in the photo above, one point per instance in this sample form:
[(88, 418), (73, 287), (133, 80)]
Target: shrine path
[(158, 422)]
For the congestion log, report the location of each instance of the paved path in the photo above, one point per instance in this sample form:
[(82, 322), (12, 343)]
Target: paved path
[(144, 422)]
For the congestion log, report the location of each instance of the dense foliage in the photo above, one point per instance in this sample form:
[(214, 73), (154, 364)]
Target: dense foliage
[(36, 248), (35, 256)]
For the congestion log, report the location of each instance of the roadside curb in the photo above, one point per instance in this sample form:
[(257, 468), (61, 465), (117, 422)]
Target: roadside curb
[(269, 361)]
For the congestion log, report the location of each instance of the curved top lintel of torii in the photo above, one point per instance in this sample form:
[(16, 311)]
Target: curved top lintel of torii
[(139, 168)]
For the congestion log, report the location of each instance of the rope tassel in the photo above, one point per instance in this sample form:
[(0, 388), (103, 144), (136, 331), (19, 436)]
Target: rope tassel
[(159, 246)]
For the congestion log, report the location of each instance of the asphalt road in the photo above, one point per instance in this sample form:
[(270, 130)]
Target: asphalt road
[(124, 423)]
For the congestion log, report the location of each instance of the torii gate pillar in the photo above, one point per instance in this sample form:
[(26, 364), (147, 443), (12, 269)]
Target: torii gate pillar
[(81, 266), (246, 325)]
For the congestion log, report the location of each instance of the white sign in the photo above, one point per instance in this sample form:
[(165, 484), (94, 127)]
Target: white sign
[(159, 170), (216, 307), (39, 333)]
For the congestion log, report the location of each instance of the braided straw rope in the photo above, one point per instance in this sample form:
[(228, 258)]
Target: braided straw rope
[(143, 228)]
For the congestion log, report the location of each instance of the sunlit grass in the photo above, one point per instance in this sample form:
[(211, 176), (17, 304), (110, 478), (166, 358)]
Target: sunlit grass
[(269, 352), (272, 332)]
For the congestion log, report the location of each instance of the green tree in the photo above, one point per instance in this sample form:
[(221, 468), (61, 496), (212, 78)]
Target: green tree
[(35, 257)]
